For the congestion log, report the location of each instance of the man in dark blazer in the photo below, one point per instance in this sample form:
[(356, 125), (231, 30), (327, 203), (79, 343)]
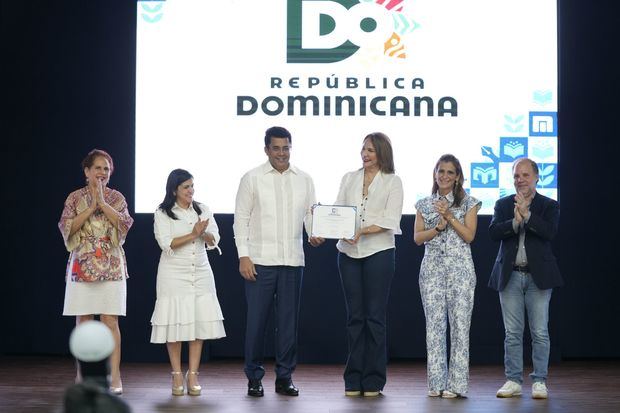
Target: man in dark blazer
[(525, 273)]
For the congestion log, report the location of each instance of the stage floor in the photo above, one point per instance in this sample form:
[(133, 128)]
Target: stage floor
[(36, 384)]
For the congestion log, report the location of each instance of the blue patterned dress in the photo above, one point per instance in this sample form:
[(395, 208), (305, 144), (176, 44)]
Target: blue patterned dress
[(447, 283)]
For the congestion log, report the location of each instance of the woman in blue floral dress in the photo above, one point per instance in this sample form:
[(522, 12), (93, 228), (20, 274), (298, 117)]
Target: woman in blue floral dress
[(446, 224)]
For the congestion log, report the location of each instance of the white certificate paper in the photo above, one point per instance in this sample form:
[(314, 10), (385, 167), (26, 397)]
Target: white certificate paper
[(333, 221)]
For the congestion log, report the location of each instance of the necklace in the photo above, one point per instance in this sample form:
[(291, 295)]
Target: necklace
[(368, 178)]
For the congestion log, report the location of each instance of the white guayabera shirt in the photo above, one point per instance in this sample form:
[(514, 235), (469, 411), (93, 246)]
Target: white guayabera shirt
[(270, 211)]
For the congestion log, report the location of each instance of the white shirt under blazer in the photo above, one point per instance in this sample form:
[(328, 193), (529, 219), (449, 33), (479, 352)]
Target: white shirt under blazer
[(270, 211), (383, 206)]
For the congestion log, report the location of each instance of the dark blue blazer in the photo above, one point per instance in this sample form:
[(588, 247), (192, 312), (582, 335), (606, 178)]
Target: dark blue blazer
[(539, 231)]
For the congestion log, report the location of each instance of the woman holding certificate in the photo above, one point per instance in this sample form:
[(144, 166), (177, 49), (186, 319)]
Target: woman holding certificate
[(366, 263), (446, 223)]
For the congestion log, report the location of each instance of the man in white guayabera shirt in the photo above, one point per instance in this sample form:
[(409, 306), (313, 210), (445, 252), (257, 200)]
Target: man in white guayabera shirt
[(274, 201)]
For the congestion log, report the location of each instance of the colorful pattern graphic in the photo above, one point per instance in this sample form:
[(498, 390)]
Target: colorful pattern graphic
[(330, 31), (540, 145), (394, 48), (403, 24), (391, 4)]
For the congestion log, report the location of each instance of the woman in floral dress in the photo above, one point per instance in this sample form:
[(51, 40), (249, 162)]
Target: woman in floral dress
[(94, 224), (446, 223)]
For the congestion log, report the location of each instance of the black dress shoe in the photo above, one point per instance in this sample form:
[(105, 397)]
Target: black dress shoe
[(255, 388), (286, 387)]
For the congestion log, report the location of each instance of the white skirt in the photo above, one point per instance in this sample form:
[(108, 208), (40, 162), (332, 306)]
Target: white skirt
[(97, 297), (187, 307)]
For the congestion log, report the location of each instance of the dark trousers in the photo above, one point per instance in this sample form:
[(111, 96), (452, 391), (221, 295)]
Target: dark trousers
[(366, 285), (279, 286)]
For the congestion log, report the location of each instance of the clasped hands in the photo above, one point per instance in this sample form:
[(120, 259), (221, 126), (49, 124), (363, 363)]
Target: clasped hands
[(443, 209), (522, 208), (96, 192)]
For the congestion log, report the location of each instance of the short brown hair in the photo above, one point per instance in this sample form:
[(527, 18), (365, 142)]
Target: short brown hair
[(94, 154)]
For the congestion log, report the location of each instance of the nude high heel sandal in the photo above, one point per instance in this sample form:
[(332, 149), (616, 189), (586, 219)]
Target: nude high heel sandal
[(192, 390), (177, 390), (117, 391)]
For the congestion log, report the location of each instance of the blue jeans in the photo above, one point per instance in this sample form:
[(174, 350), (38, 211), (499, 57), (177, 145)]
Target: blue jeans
[(519, 295), (366, 285), (279, 286)]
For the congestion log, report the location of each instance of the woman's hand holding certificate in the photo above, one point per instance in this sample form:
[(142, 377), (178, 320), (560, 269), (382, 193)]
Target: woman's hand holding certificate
[(333, 221)]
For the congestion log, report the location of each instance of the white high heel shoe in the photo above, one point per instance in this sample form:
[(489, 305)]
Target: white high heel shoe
[(117, 390), (192, 390), (177, 390)]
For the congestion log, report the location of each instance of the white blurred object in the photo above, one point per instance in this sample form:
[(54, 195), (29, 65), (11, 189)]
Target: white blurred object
[(91, 341)]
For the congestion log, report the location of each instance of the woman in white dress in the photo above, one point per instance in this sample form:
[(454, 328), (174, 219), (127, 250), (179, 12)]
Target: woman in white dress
[(187, 308), (94, 224)]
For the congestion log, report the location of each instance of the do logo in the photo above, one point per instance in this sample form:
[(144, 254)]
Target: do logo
[(322, 31)]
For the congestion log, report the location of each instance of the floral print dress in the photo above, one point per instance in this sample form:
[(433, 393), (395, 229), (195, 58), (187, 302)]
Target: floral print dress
[(96, 269)]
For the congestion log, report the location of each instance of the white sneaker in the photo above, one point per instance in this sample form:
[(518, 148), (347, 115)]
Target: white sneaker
[(509, 389), (539, 390)]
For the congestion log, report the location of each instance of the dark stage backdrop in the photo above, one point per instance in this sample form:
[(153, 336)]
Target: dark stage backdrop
[(68, 70)]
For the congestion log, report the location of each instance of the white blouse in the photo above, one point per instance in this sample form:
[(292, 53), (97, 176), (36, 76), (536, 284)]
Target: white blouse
[(383, 206), (166, 229)]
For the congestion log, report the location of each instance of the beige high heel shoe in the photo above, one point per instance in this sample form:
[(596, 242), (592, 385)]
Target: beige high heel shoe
[(192, 390), (117, 390), (177, 390)]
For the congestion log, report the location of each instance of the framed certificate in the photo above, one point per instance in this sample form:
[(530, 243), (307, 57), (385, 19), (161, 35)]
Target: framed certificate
[(333, 221)]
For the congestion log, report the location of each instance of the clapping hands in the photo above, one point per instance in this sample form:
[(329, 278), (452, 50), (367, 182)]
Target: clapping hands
[(522, 207), (200, 227), (442, 224), (442, 207)]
